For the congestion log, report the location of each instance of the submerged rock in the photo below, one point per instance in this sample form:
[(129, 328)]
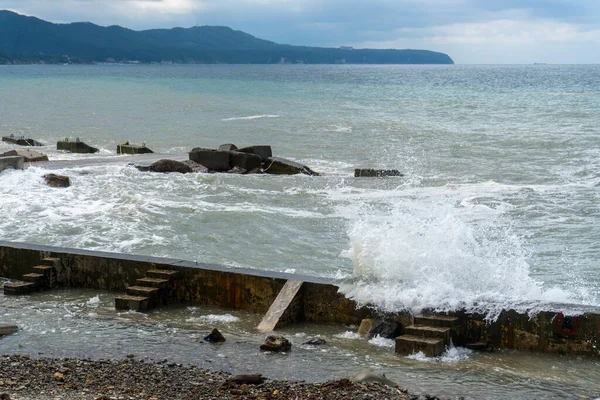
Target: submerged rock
[(276, 343), (57, 181), (282, 166), (316, 341), (370, 376), (215, 337), (385, 329), (165, 166)]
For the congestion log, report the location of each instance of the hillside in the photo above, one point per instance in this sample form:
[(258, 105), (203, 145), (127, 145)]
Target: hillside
[(31, 40)]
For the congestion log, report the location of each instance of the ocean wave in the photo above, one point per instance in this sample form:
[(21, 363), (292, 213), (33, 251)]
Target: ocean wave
[(251, 117)]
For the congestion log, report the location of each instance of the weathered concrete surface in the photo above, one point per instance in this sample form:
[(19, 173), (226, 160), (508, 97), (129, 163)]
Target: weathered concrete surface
[(28, 155), (282, 166), (132, 149), (21, 141), (279, 306), (14, 162), (75, 147), (200, 284), (318, 299)]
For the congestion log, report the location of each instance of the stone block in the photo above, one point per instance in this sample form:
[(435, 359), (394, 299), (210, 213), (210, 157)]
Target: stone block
[(76, 147), (214, 160), (375, 173), (281, 166), (8, 329), (28, 155), (14, 162), (244, 161), (262, 151), (131, 149), (408, 344)]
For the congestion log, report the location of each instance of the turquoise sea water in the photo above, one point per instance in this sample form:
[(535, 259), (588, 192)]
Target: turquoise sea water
[(499, 203), (498, 206)]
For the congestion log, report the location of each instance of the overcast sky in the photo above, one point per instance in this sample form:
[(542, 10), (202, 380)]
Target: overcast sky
[(470, 31)]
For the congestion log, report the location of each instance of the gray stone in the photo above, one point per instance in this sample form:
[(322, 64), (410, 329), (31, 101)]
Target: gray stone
[(165, 166), (276, 343), (316, 341), (214, 160), (8, 329), (281, 166), (215, 337), (388, 330), (28, 155), (246, 161), (370, 376), (262, 151), (57, 181), (227, 147), (375, 173), (195, 166)]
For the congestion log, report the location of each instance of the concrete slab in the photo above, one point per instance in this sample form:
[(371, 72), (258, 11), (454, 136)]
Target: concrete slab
[(281, 303), (8, 329), (14, 162)]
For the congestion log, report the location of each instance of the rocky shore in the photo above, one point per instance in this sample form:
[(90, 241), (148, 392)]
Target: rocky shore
[(24, 377)]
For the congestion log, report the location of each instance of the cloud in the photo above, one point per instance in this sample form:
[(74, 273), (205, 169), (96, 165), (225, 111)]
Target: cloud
[(502, 40), (465, 29)]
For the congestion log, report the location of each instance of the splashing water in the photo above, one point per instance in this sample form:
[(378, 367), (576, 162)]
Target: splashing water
[(439, 253)]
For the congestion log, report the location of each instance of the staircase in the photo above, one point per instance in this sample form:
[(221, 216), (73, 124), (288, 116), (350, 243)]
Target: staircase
[(43, 277), (430, 334), (148, 293)]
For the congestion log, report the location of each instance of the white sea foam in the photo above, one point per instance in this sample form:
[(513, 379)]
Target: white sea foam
[(222, 318), (251, 117), (439, 252), (451, 355), (94, 301), (382, 342), (348, 335)]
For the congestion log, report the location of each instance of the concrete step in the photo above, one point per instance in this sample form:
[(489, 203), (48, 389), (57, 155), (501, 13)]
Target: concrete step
[(46, 270), (409, 344), (39, 280), (429, 332), (153, 282), (18, 288), (444, 321), (50, 261), (161, 273), (135, 303), (145, 291)]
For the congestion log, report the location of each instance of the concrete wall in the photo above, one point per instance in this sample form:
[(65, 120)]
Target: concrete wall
[(197, 284), (318, 299), (14, 162)]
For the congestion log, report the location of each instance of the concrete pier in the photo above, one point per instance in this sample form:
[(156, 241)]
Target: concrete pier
[(314, 300)]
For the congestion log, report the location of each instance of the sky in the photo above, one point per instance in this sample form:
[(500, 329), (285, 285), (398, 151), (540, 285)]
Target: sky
[(470, 31)]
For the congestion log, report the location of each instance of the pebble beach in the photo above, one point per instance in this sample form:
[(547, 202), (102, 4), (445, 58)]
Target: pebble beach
[(27, 378)]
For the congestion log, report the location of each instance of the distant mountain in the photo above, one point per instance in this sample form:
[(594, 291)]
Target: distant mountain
[(32, 40)]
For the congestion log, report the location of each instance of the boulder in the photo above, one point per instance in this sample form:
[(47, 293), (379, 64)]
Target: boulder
[(75, 147), (214, 160), (316, 341), (365, 326), (237, 170), (227, 147), (195, 166), (215, 337), (385, 329), (245, 161), (7, 329), (370, 376), (165, 166), (276, 343), (57, 181), (28, 155), (281, 166), (262, 151), (375, 173)]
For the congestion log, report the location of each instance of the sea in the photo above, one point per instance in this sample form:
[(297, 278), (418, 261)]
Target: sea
[(498, 206)]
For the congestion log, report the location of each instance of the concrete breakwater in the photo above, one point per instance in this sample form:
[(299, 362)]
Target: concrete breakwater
[(317, 300)]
